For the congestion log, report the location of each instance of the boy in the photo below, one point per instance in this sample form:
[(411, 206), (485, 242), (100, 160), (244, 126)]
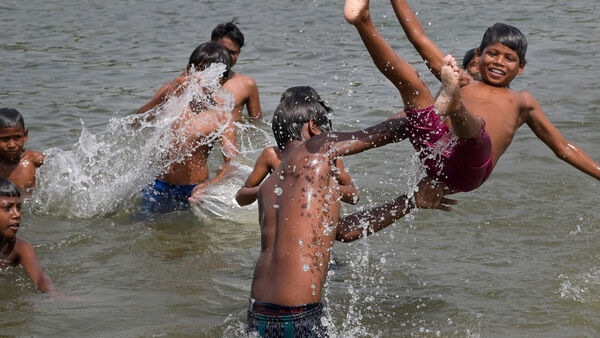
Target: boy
[(299, 216), (243, 87), (484, 114), (270, 158), (16, 163), (196, 129), (16, 251)]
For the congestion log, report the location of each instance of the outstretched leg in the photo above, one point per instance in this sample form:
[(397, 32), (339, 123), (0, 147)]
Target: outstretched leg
[(449, 102), (415, 93)]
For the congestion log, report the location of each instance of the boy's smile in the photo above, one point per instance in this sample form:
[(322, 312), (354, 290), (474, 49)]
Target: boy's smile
[(499, 65)]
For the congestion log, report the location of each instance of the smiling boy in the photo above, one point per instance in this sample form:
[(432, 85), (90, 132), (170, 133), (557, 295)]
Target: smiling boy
[(485, 114)]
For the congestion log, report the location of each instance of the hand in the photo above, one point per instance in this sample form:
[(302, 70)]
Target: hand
[(430, 195), (197, 194)]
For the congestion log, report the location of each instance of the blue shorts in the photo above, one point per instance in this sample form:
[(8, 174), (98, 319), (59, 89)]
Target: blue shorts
[(166, 197), (272, 320)]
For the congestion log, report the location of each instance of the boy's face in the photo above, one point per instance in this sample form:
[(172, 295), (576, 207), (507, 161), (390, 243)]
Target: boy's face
[(12, 141), (10, 216), (499, 65), (233, 48)]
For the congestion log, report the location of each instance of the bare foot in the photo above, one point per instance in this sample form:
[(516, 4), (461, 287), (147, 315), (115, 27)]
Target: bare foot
[(356, 10), (449, 97)]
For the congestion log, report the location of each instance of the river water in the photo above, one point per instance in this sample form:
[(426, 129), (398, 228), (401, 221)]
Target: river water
[(519, 257)]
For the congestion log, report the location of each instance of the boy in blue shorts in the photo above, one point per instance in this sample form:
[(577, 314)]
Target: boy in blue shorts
[(197, 128)]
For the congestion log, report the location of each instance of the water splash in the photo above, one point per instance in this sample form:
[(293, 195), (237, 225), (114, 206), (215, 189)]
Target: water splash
[(106, 169)]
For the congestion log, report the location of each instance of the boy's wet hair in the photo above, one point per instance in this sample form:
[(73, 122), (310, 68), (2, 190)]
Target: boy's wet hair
[(469, 55), (208, 53), (507, 35), (228, 30), (8, 188), (298, 106), (10, 118)]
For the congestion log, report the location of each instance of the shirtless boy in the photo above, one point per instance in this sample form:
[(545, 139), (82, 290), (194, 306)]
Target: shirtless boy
[(299, 215), (196, 130), (17, 251), (16, 163), (243, 87), (485, 114), (270, 158)]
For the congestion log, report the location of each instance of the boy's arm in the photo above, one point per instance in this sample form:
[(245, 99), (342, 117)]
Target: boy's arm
[(428, 196), (348, 143), (247, 193), (348, 191), (229, 150), (429, 51), (36, 157), (33, 268), (551, 136), (159, 98), (253, 103)]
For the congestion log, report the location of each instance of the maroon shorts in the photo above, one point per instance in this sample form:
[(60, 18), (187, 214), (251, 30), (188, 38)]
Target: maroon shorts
[(463, 164)]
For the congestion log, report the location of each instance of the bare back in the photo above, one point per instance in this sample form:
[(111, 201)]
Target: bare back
[(245, 93), (298, 213)]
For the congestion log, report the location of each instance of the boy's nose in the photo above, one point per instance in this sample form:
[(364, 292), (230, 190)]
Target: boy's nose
[(15, 212)]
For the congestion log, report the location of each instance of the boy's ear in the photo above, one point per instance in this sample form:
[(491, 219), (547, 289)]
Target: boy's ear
[(521, 69), (26, 133), (313, 128)]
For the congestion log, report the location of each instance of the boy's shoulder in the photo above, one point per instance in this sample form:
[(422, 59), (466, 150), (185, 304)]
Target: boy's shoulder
[(34, 157), (18, 249), (239, 80)]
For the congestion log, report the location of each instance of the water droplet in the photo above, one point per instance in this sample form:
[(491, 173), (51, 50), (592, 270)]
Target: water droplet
[(278, 191), (306, 268)]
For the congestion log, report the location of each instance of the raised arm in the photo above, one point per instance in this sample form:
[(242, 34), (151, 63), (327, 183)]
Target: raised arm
[(347, 143), (429, 51), (551, 136), (428, 196)]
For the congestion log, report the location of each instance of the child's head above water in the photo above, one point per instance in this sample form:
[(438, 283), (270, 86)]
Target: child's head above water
[(10, 118), (8, 188), (508, 36), (208, 53), (13, 134), (228, 30), (298, 106)]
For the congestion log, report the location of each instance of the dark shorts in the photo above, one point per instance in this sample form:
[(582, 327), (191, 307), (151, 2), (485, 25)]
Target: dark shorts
[(165, 197), (463, 164), (272, 320)]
